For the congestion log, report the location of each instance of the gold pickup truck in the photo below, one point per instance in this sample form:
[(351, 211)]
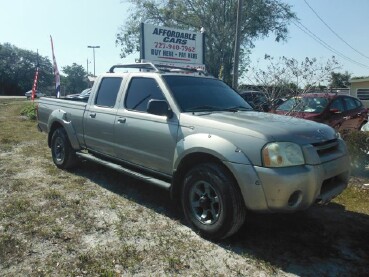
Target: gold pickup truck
[(195, 136)]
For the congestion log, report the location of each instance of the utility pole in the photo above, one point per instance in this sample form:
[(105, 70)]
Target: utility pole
[(236, 57), (87, 66), (93, 48)]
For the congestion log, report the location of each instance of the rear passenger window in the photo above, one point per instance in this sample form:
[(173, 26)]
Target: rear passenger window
[(358, 102), (140, 92), (108, 91), (351, 104), (337, 104)]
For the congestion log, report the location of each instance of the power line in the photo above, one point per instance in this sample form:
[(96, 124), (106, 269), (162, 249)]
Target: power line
[(324, 44), (321, 42), (337, 35)]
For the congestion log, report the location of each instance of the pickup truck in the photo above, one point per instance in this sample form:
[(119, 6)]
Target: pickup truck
[(194, 135)]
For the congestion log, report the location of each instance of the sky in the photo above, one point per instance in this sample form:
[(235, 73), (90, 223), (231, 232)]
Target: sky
[(75, 24)]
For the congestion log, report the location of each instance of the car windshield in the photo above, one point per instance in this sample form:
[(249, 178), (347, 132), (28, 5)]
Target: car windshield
[(304, 104), (194, 94)]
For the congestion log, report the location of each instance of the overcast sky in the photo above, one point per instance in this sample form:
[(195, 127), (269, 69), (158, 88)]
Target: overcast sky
[(75, 24)]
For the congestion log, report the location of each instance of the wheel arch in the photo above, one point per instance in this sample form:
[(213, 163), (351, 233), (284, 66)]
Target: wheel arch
[(203, 148), (61, 119)]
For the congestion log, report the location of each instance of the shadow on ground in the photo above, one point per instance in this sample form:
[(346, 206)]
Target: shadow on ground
[(322, 241)]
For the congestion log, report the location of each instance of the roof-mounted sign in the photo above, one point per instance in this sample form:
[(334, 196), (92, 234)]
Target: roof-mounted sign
[(170, 46)]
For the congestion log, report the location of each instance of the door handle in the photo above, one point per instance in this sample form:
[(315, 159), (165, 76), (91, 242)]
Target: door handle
[(92, 115), (122, 120)]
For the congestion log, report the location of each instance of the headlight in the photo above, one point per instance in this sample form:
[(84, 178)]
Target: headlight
[(282, 154)]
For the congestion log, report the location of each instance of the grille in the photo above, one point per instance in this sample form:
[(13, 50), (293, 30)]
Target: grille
[(327, 147)]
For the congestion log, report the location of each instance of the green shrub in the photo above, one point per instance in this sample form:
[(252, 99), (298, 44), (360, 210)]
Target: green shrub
[(29, 110), (358, 147)]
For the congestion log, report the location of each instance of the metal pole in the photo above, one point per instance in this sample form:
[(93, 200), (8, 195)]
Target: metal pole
[(236, 57), (93, 49)]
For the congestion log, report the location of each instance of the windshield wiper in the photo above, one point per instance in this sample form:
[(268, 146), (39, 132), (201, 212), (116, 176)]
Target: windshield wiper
[(207, 108), (204, 108), (237, 109)]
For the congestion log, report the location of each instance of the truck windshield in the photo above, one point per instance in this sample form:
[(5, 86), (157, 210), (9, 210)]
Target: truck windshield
[(194, 94)]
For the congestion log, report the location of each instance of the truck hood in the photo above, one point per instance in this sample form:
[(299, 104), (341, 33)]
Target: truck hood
[(265, 126)]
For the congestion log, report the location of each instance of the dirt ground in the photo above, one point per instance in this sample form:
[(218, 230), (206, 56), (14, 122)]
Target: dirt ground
[(93, 221)]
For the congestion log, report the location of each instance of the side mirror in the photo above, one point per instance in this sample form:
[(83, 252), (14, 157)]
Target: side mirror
[(159, 107), (335, 111)]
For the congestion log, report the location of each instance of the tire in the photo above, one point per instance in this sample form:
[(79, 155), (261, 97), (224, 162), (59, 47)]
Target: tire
[(63, 155), (212, 202)]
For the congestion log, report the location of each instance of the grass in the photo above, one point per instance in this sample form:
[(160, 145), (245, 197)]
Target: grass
[(93, 221), (355, 198)]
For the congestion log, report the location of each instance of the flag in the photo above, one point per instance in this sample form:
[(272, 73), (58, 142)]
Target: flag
[(34, 87), (56, 71)]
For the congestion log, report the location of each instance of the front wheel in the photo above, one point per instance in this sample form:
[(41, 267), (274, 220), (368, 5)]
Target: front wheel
[(212, 202), (62, 152)]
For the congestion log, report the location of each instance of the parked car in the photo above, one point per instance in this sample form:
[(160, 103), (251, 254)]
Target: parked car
[(342, 112), (257, 100), (365, 127), (83, 96), (28, 94)]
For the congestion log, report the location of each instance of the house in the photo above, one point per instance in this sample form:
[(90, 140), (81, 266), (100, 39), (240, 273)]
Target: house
[(360, 89)]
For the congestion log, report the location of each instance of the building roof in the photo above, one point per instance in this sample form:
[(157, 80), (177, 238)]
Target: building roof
[(366, 79)]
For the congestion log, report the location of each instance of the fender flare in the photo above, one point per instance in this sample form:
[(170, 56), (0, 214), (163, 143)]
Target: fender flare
[(61, 118), (213, 145)]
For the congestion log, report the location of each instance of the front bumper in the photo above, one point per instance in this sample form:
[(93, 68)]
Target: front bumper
[(292, 188), (297, 188)]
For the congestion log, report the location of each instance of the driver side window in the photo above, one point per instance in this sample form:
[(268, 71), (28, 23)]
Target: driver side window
[(140, 92)]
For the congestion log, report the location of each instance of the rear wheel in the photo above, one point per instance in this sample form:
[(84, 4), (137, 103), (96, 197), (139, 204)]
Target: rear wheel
[(212, 202), (62, 152)]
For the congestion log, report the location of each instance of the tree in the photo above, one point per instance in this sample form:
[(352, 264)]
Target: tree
[(288, 77), (17, 70), (340, 80), (260, 18), (75, 81)]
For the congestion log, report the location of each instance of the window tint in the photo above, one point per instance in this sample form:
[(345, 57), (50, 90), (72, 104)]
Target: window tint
[(337, 104), (193, 93), (108, 91), (140, 92), (351, 104), (358, 102)]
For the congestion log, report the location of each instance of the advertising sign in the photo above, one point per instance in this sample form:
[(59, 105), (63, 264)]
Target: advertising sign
[(170, 46)]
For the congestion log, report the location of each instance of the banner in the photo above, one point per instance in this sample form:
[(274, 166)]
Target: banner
[(34, 87), (56, 71)]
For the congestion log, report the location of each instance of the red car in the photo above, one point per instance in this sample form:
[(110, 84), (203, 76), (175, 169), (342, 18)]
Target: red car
[(342, 112)]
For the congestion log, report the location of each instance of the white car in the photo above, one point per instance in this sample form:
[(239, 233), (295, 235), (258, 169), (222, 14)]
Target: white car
[(365, 127), (28, 94)]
